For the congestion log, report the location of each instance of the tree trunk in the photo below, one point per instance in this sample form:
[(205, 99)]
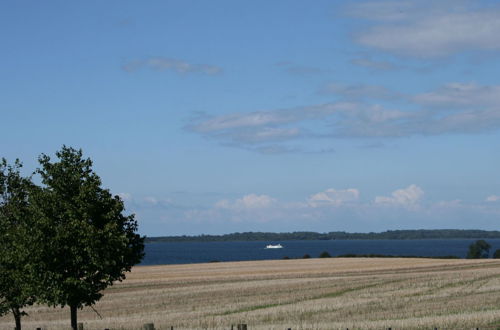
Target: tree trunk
[(73, 317), (17, 317)]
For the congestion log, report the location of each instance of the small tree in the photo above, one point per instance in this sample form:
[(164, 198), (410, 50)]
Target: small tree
[(16, 289), (478, 250), (325, 254), (86, 242), (496, 255)]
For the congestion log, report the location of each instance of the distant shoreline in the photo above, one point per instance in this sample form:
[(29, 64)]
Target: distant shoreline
[(301, 236)]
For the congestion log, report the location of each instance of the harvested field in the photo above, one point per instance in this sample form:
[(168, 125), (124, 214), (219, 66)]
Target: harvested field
[(299, 294)]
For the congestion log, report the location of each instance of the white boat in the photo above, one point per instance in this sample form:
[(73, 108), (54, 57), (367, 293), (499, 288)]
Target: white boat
[(271, 246)]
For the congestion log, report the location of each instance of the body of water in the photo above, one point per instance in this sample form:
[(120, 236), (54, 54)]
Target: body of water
[(197, 252)]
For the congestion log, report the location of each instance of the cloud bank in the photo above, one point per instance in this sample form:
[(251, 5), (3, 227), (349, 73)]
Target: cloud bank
[(428, 29), (247, 202), (407, 197), (333, 197), (330, 209), (458, 107)]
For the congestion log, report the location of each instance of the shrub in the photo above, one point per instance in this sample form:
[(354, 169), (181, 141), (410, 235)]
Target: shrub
[(478, 250), (496, 255), (306, 256), (325, 254)]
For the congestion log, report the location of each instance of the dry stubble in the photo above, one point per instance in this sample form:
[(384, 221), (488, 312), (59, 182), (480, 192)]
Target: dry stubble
[(301, 294)]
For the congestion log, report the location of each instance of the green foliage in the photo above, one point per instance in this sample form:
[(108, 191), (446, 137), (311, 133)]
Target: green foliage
[(478, 250), (496, 255), (84, 242), (325, 254), (16, 289), (297, 236), (306, 256), (62, 243)]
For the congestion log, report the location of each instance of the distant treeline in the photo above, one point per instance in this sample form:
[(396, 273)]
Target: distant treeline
[(305, 235)]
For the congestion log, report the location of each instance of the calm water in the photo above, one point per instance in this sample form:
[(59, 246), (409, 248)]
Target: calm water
[(195, 252)]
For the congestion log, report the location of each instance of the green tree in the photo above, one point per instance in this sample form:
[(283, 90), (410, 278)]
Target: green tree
[(89, 242), (16, 289), (325, 254), (478, 250), (496, 255)]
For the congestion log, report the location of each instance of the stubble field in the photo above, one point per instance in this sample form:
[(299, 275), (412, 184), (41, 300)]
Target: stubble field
[(354, 293)]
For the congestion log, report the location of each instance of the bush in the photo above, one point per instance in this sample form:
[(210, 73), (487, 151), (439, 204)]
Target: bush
[(325, 254), (480, 249), (306, 256), (496, 255), (286, 257)]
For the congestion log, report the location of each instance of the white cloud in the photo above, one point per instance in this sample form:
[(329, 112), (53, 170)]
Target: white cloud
[(346, 119), (338, 209), (263, 134), (452, 108), (270, 118), (429, 28), (238, 120), (247, 202), (458, 94), (409, 196), (333, 197), (275, 133), (493, 198), (462, 107), (171, 64)]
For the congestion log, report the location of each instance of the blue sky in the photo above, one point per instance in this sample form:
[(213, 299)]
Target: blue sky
[(222, 116)]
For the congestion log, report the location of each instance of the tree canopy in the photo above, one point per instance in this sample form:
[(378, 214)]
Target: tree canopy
[(64, 242), (304, 235), (16, 290), (479, 249), (81, 241)]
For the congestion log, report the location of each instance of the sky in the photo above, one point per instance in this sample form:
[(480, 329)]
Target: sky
[(212, 117)]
